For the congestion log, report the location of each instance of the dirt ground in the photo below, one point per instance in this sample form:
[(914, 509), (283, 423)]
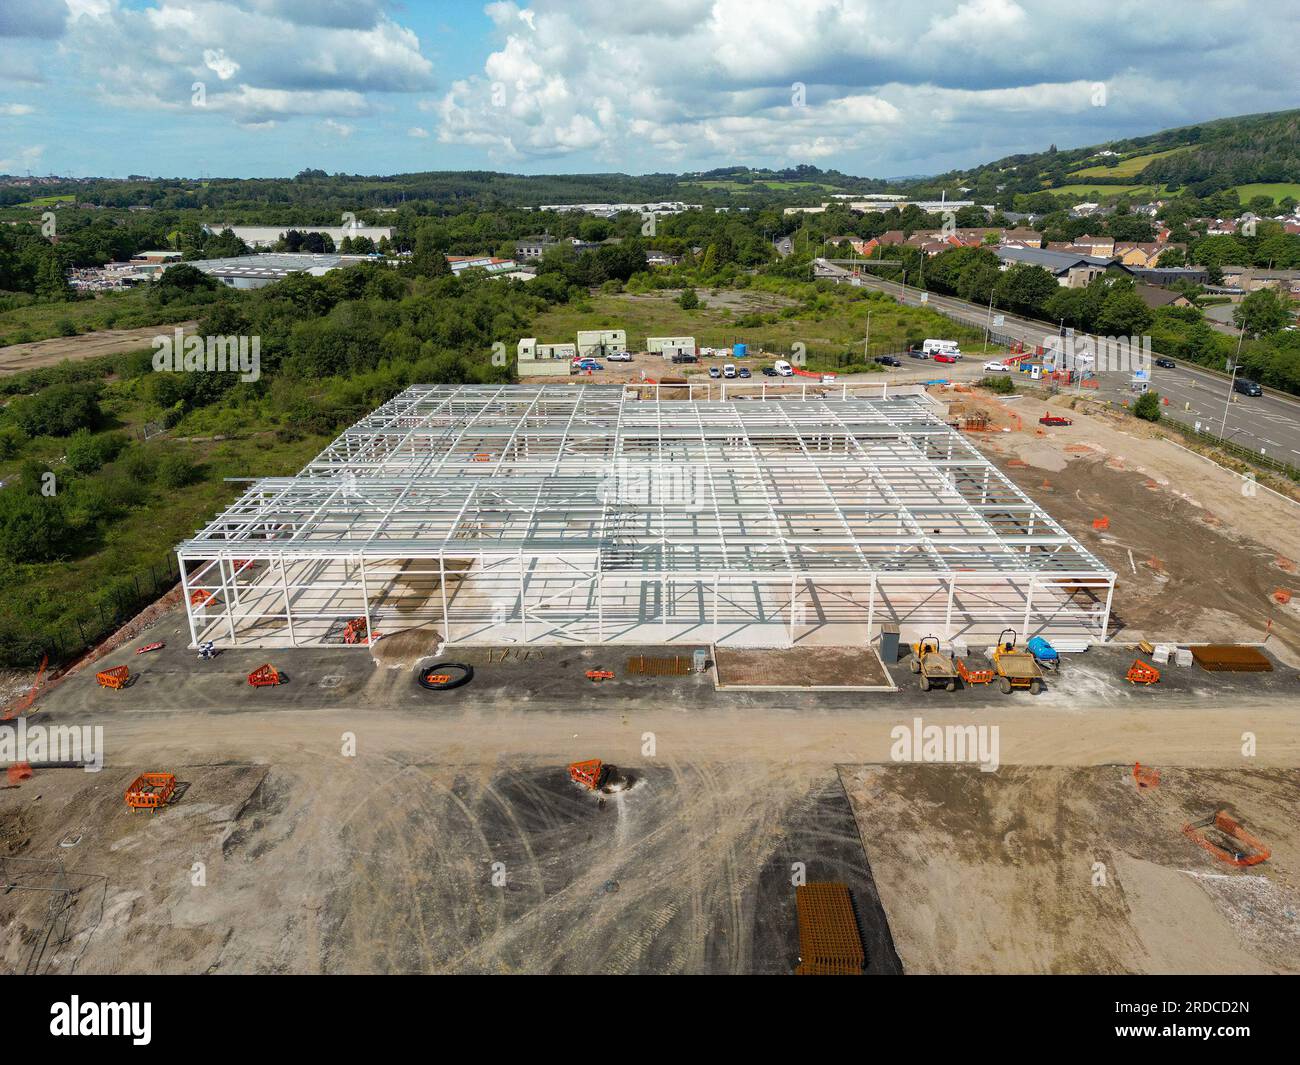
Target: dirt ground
[(1053, 870), (1199, 552), (15, 358)]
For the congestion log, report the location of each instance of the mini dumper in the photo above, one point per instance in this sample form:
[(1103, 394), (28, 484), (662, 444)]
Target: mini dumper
[(934, 668), (1016, 670)]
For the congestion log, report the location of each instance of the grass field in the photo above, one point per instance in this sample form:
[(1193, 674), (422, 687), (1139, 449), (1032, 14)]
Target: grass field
[(109, 310), (45, 201), (1130, 167), (837, 325), (1278, 190), (1107, 190)]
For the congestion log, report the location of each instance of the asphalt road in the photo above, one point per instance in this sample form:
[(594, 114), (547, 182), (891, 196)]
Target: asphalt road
[(1269, 424)]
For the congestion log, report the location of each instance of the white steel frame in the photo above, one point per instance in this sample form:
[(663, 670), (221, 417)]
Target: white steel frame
[(594, 513)]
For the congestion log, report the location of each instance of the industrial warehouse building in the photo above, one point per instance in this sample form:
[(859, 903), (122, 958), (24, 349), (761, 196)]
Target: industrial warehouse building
[(583, 514)]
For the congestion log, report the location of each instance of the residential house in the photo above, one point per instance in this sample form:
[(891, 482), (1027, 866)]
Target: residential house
[(1103, 246), (1142, 253), (1155, 297)]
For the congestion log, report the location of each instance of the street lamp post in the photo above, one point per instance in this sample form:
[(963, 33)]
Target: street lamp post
[(1232, 382), (866, 348)]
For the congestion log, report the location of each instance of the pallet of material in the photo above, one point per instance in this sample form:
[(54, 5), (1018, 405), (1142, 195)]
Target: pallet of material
[(829, 941), (1231, 658), (676, 666)]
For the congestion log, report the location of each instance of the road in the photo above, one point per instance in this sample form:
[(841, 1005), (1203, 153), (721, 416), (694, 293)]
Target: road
[(1269, 424)]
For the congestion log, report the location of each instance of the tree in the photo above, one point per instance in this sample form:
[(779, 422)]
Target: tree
[(58, 410), (1261, 312), (1123, 314), (688, 300), (1147, 407)]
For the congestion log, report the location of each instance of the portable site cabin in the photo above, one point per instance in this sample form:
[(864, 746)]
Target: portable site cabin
[(670, 346), (598, 343)]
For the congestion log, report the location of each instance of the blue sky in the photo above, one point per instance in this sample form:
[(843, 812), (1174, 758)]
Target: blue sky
[(258, 88)]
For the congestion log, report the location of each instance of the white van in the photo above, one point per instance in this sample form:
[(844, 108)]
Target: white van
[(783, 368), (945, 347), (729, 370)]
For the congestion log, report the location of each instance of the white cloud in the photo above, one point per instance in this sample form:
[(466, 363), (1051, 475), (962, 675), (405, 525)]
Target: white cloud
[(26, 159), (16, 110), (272, 59), (339, 129), (708, 82), (418, 132)]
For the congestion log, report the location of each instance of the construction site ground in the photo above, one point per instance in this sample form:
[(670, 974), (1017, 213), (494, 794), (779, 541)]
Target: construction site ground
[(349, 821)]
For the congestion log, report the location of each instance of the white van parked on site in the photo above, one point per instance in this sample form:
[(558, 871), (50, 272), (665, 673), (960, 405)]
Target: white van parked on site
[(941, 347), (729, 370), (783, 368)]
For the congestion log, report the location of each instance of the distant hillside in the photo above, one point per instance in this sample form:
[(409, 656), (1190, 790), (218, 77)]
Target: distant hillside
[(1205, 159)]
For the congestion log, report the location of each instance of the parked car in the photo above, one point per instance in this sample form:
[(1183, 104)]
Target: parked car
[(917, 353), (768, 371), (744, 372), (714, 372), (620, 356), (589, 364), (783, 368), (945, 356), (888, 360), (1165, 364), (993, 366), (1247, 387)]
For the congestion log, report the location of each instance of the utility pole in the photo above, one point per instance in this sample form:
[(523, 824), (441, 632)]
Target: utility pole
[(866, 347), (1232, 382)]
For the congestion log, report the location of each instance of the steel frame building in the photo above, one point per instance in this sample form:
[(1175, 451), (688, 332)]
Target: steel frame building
[(591, 513)]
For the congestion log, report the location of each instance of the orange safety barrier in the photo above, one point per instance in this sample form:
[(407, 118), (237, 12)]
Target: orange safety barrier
[(1282, 596), (1142, 673), (149, 791), (1232, 830), (483, 456), (595, 675), (114, 678), (973, 676), (1145, 777), (356, 631), (200, 597), (586, 773), (264, 676), (18, 771), (241, 564), (1102, 523)]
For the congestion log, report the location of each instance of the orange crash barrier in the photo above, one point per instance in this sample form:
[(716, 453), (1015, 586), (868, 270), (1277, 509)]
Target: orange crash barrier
[(586, 773), (114, 678), (356, 631), (149, 791), (200, 597), (1145, 777), (265, 676), (596, 675), (973, 676), (1235, 833), (1141, 673)]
